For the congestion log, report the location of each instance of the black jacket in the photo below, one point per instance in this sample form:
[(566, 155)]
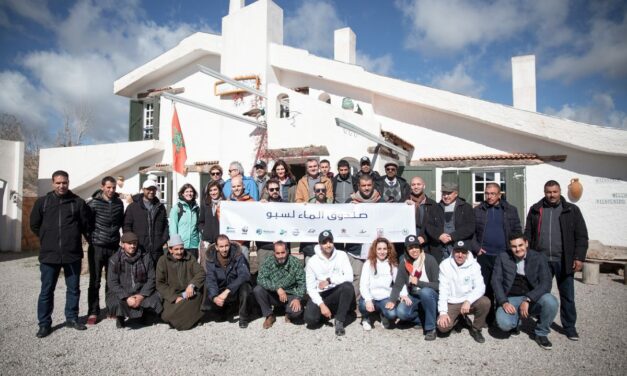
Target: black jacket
[(574, 232), (107, 217), (405, 188), (536, 270), (434, 226), (236, 273), (208, 224), (432, 269), (59, 223), (151, 227), (122, 280), (429, 206), (511, 222)]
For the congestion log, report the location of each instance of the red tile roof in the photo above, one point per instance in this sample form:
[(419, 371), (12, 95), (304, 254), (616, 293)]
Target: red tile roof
[(513, 156)]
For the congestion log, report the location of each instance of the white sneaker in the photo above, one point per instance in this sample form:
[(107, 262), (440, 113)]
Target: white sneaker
[(366, 324)]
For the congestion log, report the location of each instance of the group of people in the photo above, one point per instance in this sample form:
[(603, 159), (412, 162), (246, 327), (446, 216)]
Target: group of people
[(461, 260)]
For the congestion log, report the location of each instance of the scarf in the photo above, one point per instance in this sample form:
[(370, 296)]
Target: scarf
[(418, 200), (415, 269), (215, 207), (138, 269), (357, 197)]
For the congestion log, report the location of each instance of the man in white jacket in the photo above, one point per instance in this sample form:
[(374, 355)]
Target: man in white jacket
[(462, 292), (329, 284)]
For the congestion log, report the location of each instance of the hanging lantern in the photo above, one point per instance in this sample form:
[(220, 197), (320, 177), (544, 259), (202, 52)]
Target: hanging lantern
[(575, 189)]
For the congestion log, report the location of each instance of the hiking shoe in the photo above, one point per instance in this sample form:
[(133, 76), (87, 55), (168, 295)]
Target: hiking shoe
[(44, 331), (515, 331), (366, 324), (543, 341), (430, 335), (92, 320), (476, 335), (119, 322), (243, 324), (287, 320), (269, 322), (75, 325), (573, 335), (339, 328), (385, 322)]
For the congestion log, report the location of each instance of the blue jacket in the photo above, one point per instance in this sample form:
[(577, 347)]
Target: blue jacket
[(185, 223), (536, 270), (250, 188), (232, 277)]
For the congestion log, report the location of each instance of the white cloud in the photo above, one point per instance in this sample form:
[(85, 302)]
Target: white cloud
[(458, 81), (312, 27), (35, 10), (97, 43), (382, 65), (600, 111)]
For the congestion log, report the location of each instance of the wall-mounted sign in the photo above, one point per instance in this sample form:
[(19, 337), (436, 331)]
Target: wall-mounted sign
[(224, 88)]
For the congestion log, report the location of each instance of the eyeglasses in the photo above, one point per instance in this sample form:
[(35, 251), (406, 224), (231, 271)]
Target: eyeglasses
[(273, 189), (233, 170), (216, 173), (320, 190)]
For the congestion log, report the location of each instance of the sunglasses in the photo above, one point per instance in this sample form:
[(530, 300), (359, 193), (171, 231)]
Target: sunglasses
[(216, 173), (233, 170), (320, 190), (273, 189)]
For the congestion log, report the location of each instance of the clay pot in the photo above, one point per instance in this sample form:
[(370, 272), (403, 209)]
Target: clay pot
[(575, 189)]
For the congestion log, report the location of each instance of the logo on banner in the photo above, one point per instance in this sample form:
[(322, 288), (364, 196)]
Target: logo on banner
[(362, 231), (295, 232), (311, 231), (245, 230), (405, 232), (282, 232), (230, 229), (380, 232), (343, 231), (259, 231)]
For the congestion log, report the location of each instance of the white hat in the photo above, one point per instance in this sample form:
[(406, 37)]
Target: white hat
[(149, 184)]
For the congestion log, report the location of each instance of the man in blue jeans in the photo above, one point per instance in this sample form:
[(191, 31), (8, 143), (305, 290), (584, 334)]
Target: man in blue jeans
[(522, 288), (59, 219)]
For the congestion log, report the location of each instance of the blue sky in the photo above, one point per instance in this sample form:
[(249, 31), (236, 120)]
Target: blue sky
[(61, 57)]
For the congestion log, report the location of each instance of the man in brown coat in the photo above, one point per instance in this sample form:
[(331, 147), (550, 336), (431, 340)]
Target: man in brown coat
[(180, 282)]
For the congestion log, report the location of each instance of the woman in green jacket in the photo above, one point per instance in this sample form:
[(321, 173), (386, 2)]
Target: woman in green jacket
[(184, 219)]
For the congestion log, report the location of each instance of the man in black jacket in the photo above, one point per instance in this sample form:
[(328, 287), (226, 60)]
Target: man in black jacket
[(450, 221), (423, 204), (495, 221), (107, 217), (59, 219), (147, 218), (522, 287), (557, 229)]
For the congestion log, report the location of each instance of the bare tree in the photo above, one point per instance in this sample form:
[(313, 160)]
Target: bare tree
[(11, 128), (76, 122)]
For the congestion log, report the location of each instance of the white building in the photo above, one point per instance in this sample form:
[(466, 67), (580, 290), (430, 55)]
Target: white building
[(433, 133)]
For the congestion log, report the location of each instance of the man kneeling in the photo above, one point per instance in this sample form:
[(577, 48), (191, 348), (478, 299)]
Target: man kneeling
[(522, 287), (180, 282), (329, 284), (228, 279), (281, 280), (131, 279)]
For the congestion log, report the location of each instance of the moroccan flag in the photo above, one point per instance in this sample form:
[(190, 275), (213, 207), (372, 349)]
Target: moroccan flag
[(179, 154)]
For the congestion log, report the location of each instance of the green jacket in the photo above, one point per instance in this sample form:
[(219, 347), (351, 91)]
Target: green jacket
[(289, 276), (187, 225)]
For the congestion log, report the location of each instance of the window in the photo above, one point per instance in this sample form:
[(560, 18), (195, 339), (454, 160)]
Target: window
[(481, 178), (149, 119), (162, 187), (283, 102)]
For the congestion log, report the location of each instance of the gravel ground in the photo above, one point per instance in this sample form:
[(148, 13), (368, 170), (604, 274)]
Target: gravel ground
[(223, 348)]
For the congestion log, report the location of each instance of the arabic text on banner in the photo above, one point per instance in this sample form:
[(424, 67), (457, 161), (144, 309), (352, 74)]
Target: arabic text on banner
[(349, 223)]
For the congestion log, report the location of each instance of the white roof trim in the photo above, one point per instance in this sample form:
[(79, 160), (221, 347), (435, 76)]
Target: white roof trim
[(189, 49), (582, 136)]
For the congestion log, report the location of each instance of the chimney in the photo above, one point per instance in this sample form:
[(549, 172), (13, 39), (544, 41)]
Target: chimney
[(344, 45), (524, 82), (235, 5)]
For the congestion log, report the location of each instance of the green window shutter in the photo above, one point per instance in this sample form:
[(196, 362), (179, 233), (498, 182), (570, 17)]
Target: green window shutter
[(155, 126), (204, 180), (515, 189), (168, 198), (142, 179), (426, 173), (135, 124), (463, 178)]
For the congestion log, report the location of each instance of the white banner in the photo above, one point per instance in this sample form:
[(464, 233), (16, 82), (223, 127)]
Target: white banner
[(349, 223)]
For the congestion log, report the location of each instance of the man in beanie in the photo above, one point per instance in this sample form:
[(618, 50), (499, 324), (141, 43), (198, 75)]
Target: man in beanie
[(180, 282), (131, 279), (329, 284)]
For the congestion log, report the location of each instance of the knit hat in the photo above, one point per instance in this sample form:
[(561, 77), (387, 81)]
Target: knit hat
[(175, 240)]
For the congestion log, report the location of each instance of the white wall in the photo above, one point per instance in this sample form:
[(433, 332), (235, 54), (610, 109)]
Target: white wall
[(11, 174)]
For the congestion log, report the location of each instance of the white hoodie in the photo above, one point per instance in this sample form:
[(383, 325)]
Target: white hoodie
[(319, 268), (459, 283), (377, 286)]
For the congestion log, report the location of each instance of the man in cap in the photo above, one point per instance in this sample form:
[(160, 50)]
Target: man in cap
[(329, 284), (522, 288), (451, 220), (281, 281), (180, 282), (147, 218), (461, 292), (365, 168), (131, 279), (261, 175), (392, 187)]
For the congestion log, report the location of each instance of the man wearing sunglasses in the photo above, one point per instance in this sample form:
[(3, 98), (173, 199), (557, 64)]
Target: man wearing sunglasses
[(320, 197), (393, 188)]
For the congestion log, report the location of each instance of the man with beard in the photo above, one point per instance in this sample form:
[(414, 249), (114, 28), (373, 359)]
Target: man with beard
[(107, 216), (392, 187), (266, 249), (423, 204), (343, 182), (365, 169), (320, 197), (281, 281)]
